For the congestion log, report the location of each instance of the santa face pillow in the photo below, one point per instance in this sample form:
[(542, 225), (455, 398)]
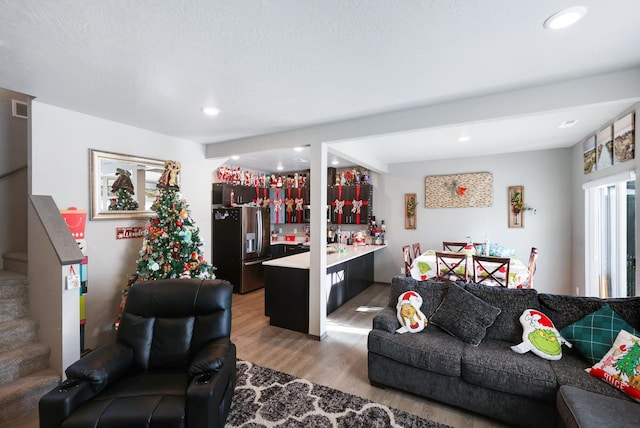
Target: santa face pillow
[(540, 336), (409, 314)]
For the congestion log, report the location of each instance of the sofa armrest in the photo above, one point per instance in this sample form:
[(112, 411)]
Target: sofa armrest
[(386, 320), (102, 366), (211, 357), (209, 393)]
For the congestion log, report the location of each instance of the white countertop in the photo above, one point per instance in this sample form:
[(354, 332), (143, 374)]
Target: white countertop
[(302, 260)]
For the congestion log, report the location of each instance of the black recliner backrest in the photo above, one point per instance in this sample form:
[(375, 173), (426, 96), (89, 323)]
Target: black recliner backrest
[(167, 321)]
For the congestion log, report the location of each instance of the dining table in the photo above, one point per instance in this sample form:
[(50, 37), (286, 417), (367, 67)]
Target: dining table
[(423, 268)]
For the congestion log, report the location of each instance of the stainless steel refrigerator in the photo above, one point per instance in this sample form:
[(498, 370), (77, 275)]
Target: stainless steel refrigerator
[(241, 242)]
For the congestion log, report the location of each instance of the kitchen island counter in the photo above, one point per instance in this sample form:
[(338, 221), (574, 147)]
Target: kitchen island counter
[(334, 257), (349, 272)]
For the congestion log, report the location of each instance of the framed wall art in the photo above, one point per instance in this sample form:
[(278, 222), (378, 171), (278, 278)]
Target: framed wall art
[(459, 190), (410, 205), (623, 139)]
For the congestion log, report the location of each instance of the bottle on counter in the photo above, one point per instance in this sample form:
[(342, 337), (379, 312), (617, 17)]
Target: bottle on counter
[(487, 245)]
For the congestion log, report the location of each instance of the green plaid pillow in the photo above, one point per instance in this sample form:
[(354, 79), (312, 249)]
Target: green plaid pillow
[(594, 334)]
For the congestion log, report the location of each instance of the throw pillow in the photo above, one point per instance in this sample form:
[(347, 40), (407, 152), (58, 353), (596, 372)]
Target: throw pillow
[(409, 314), (465, 316), (594, 334), (540, 336), (621, 365)]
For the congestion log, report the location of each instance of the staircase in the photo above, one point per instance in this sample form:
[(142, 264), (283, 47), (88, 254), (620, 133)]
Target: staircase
[(25, 375)]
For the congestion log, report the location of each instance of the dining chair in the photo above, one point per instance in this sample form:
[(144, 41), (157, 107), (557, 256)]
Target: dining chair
[(451, 267), (406, 255), (491, 270), (533, 264), (453, 246), (416, 250)]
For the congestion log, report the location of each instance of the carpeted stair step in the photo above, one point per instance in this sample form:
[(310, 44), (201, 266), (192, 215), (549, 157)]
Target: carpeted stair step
[(21, 396), (17, 333), (11, 309), (15, 261), (13, 285), (23, 361)]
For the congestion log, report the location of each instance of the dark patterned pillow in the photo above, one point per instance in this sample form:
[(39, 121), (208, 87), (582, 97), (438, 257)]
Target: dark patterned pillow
[(594, 334), (512, 303), (464, 315)]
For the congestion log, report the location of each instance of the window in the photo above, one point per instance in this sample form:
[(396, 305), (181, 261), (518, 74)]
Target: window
[(610, 236)]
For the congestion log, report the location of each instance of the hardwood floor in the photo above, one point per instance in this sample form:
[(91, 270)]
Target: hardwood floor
[(339, 361)]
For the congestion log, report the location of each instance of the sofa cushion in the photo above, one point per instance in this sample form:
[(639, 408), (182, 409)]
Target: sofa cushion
[(594, 334), (493, 365), (464, 316), (512, 302), (431, 349), (621, 365), (570, 370), (431, 292), (585, 409), (564, 310)]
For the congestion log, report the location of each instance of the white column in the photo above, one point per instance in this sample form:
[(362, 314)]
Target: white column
[(318, 255)]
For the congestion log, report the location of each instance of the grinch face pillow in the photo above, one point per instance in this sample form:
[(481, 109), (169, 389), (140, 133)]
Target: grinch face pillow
[(540, 336), (409, 314)]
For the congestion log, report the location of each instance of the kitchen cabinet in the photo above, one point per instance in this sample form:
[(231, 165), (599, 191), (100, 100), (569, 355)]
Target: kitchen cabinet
[(222, 193), (294, 201), (281, 250), (343, 197)]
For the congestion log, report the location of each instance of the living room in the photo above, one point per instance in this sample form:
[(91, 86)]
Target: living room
[(61, 136)]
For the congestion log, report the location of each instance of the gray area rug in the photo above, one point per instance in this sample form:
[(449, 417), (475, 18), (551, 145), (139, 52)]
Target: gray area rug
[(268, 398)]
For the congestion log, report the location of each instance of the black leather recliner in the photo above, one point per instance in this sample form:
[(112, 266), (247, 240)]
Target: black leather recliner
[(172, 365)]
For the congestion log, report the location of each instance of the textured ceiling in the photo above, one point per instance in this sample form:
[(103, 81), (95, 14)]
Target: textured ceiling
[(271, 66)]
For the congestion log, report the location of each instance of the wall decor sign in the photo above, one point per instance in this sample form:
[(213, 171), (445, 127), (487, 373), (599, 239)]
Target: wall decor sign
[(459, 190), (517, 207), (604, 147), (129, 232), (410, 204), (589, 154), (623, 139)]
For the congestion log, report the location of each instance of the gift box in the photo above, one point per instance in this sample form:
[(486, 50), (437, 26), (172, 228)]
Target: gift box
[(277, 205)]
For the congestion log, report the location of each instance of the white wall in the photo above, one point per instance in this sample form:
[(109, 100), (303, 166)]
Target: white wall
[(546, 178), (61, 140), (577, 202)]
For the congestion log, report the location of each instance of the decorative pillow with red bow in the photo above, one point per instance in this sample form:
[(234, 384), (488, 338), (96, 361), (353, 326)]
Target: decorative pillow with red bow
[(409, 313), (540, 336)]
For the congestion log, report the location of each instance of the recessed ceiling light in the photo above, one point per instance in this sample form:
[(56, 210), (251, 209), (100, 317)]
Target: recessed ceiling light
[(565, 17), (235, 157), (211, 111), (464, 139), (279, 167), (334, 162), (568, 123), (298, 149)]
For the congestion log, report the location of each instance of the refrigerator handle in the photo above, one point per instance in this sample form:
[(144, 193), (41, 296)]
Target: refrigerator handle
[(260, 238)]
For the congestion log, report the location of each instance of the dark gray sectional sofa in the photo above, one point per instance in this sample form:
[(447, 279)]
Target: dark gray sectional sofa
[(491, 379)]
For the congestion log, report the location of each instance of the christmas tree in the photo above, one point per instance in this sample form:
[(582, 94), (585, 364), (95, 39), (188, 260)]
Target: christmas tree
[(172, 247), (122, 188), (123, 200)]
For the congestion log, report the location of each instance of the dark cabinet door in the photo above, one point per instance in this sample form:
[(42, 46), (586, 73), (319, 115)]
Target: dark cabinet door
[(360, 274), (337, 277)]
